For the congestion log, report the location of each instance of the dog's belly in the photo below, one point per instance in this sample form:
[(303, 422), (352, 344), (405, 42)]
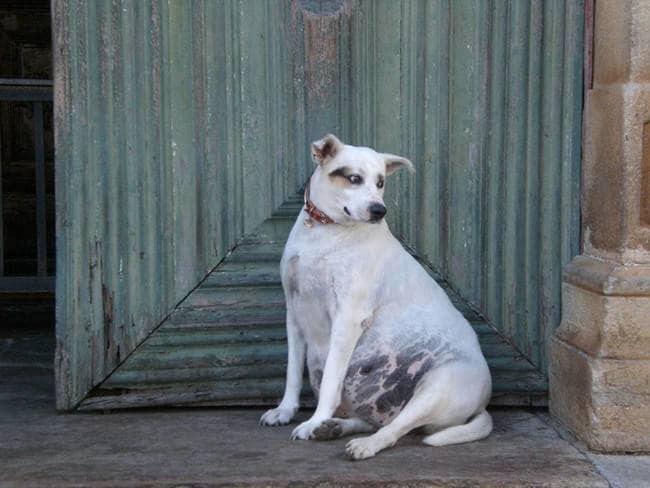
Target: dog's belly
[(384, 372)]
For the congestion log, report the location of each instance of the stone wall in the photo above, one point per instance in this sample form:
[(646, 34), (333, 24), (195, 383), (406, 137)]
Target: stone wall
[(600, 355)]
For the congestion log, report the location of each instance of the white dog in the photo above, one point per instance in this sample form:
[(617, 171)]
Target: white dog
[(386, 349)]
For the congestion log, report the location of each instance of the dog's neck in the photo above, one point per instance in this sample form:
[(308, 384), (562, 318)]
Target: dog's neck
[(313, 211)]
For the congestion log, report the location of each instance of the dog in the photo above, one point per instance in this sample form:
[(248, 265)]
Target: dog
[(387, 352)]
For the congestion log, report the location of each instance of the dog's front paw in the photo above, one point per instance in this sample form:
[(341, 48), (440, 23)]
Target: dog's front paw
[(328, 430), (361, 448), (305, 431), (277, 416)]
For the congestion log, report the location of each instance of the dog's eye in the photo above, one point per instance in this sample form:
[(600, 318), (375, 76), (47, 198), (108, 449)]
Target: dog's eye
[(380, 184), (355, 179)]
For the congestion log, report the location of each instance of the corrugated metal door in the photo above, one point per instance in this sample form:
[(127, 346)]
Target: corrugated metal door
[(182, 133)]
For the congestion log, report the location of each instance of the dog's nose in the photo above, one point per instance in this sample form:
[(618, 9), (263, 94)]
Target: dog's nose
[(377, 211)]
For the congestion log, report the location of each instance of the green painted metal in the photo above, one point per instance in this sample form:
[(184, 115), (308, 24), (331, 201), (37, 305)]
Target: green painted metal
[(174, 135), (181, 126), (225, 344), (486, 98)]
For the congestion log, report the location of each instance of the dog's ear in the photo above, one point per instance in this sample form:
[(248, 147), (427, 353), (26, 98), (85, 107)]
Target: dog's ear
[(325, 149), (393, 163)]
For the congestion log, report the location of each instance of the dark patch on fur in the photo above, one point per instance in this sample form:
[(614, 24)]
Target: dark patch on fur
[(365, 412), (404, 361), (363, 381), (341, 172), (293, 285), (403, 390), (369, 370), (366, 392), (378, 387), (400, 384)]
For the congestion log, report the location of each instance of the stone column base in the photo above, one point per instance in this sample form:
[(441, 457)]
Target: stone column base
[(599, 371)]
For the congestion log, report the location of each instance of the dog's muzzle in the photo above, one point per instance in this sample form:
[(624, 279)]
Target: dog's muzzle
[(376, 211)]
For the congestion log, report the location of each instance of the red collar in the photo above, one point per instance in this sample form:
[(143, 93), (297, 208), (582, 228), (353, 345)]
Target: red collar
[(313, 211)]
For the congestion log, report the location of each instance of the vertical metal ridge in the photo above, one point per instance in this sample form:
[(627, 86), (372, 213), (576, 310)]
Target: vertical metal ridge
[(143, 36), (549, 272), (115, 295), (569, 163), (355, 74), (344, 56), (65, 379), (445, 136), (388, 95), (418, 153), (494, 224), (273, 62), (269, 105), (140, 251), (132, 178), (480, 114), (232, 123), (165, 176), (466, 113), (159, 261), (208, 220), (197, 34), (369, 48), (440, 146), (238, 118), (76, 217), (297, 127), (572, 121), (422, 159), (530, 302), (517, 86), (106, 243), (410, 54)]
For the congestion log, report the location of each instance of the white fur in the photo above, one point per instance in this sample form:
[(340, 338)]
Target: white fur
[(344, 278)]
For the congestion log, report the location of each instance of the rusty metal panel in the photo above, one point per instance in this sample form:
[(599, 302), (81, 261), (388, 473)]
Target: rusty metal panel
[(174, 135), (486, 98)]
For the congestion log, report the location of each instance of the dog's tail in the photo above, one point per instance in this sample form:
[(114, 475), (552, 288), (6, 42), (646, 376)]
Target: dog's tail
[(477, 428)]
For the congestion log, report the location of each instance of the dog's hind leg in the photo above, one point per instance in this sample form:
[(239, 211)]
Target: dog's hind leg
[(336, 427), (436, 401), (477, 428), (416, 413)]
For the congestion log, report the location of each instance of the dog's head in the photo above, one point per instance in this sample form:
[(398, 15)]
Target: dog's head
[(348, 183)]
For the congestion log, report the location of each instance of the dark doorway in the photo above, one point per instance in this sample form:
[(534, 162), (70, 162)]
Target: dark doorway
[(27, 257)]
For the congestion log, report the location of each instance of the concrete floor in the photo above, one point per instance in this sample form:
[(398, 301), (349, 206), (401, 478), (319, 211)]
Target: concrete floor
[(226, 447)]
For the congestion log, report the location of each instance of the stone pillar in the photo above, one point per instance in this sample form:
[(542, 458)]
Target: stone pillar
[(600, 354)]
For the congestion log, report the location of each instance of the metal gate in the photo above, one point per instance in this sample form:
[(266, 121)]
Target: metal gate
[(24, 258), (182, 133)]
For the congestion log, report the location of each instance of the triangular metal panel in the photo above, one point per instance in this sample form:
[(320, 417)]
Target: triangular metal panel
[(225, 344)]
